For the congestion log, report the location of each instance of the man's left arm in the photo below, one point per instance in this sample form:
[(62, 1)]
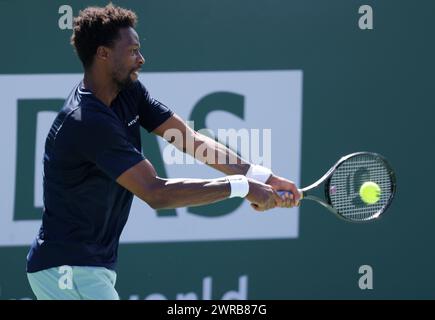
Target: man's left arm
[(220, 157)]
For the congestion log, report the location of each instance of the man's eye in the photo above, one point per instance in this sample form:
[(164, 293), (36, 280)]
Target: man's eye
[(135, 51)]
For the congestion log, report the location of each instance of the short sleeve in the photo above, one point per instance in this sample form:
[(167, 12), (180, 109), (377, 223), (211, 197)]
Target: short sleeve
[(152, 113), (102, 140)]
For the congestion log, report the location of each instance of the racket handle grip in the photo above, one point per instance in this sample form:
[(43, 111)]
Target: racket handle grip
[(282, 193)]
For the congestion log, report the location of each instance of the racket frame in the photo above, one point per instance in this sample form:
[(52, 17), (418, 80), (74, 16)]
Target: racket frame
[(326, 179)]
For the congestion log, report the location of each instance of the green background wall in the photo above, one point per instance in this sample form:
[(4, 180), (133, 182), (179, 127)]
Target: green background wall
[(362, 90)]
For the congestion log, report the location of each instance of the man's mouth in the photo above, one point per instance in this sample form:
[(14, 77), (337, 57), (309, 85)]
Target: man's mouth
[(135, 73)]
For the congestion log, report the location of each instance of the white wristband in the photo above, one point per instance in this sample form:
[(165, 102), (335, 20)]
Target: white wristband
[(258, 173), (239, 185)]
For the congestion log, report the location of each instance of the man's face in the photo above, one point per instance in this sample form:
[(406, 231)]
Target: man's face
[(126, 58)]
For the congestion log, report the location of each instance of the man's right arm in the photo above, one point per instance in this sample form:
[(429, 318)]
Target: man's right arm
[(159, 193)]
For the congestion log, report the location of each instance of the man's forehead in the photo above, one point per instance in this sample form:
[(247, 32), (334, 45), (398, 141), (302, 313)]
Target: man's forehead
[(128, 36)]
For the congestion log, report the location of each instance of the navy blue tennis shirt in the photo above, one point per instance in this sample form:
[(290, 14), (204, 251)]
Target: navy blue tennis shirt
[(88, 147)]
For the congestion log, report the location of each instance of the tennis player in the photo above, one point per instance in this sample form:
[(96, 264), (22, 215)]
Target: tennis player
[(93, 165)]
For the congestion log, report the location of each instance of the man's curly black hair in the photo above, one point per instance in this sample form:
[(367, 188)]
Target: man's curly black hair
[(99, 26)]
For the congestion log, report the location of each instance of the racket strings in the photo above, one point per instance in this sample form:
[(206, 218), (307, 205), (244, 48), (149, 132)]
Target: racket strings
[(347, 180)]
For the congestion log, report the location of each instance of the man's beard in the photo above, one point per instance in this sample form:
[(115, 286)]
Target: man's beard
[(125, 82)]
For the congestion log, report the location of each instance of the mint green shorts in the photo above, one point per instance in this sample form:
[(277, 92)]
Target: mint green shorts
[(74, 283)]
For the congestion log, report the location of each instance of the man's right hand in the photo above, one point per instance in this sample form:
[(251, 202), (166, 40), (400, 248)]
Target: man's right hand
[(262, 196)]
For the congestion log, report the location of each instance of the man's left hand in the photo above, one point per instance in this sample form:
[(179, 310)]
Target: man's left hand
[(282, 184)]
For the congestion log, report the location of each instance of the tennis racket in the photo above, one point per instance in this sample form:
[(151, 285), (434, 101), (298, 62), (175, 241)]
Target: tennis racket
[(342, 185)]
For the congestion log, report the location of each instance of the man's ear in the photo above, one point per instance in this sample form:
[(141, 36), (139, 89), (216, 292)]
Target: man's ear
[(102, 52)]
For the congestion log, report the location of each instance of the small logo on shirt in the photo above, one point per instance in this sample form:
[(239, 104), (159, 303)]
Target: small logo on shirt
[(132, 122)]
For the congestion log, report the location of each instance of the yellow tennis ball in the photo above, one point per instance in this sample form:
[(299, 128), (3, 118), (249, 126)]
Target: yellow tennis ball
[(370, 192)]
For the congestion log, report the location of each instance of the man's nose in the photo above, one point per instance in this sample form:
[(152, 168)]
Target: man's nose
[(141, 59)]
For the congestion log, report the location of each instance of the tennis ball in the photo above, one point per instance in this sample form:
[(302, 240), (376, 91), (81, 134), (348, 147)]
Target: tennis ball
[(370, 192)]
